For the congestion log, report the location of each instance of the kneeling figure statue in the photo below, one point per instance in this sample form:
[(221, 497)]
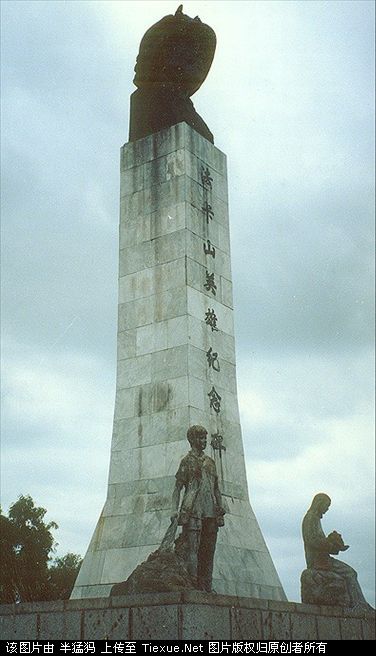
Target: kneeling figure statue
[(327, 581)]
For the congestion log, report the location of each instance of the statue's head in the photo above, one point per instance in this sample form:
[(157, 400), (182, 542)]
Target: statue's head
[(175, 53), (320, 503), (197, 437)]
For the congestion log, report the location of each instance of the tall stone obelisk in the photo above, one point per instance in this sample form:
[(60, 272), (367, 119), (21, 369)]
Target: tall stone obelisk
[(175, 365)]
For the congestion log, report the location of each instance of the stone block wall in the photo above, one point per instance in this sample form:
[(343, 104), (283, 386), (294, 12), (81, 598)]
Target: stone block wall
[(182, 616)]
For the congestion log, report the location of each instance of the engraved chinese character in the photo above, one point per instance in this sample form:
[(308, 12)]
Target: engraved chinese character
[(209, 249), (212, 359), (210, 285), (211, 319), (217, 442), (215, 400), (206, 178), (208, 211)]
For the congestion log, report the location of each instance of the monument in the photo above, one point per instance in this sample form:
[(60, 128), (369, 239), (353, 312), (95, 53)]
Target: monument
[(176, 379), (175, 347)]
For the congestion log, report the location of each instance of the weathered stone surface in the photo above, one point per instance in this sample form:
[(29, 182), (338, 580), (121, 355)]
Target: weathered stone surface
[(309, 609), (161, 572), (60, 625), (303, 627), (155, 622), (110, 624), (7, 627), (209, 598), (276, 626), (206, 623), (369, 628), (246, 624), (351, 628), (120, 560), (93, 591), (175, 138), (178, 615), (83, 604), (19, 627), (323, 587), (328, 628), (146, 599), (163, 376)]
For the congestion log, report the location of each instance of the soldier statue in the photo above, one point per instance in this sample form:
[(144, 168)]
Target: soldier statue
[(185, 563), (201, 511)]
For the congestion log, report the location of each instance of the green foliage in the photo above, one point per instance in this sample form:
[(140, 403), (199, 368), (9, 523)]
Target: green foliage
[(26, 545), (62, 575), (8, 561)]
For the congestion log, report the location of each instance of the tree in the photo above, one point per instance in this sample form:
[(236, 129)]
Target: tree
[(26, 544), (62, 575), (8, 560)]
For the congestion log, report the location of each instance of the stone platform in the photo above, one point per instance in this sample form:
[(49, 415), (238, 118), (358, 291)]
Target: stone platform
[(182, 616)]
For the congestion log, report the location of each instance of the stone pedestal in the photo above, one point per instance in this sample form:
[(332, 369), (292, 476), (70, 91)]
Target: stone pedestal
[(182, 616), (175, 365)]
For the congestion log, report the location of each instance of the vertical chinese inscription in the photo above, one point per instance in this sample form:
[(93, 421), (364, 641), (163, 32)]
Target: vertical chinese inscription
[(217, 445), (209, 249), (215, 400), (210, 285), (211, 319), (208, 211), (217, 442), (206, 178), (212, 358)]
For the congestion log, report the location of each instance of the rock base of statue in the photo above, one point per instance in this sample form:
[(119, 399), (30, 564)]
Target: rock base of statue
[(163, 571), (324, 588)]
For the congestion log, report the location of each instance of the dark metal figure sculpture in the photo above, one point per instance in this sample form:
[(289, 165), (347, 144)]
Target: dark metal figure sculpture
[(201, 511), (174, 59), (187, 562), (327, 581)]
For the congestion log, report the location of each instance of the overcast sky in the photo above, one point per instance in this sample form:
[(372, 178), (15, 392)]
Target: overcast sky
[(289, 99)]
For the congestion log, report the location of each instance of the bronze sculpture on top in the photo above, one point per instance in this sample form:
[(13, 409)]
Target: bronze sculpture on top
[(327, 581), (173, 61)]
